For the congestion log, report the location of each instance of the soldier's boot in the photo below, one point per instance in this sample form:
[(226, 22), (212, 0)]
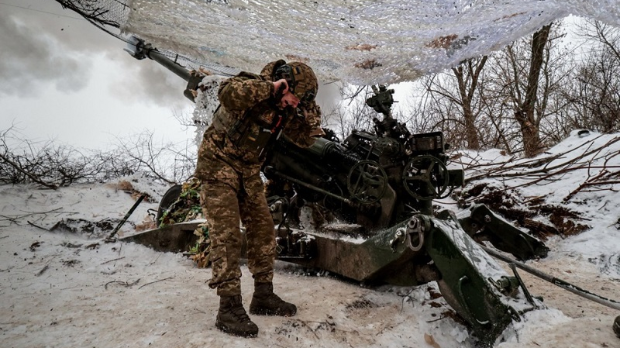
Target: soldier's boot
[(265, 302), (232, 318)]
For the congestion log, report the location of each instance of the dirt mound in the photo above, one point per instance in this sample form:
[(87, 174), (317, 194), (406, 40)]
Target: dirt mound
[(539, 218)]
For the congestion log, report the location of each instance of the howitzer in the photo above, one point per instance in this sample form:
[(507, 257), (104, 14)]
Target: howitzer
[(379, 186)]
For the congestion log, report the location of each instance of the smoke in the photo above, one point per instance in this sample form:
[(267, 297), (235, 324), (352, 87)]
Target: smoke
[(39, 50), (29, 58), (328, 96), (149, 82)]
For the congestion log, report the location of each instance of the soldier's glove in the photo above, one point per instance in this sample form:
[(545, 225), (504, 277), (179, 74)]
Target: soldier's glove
[(279, 93), (195, 78)]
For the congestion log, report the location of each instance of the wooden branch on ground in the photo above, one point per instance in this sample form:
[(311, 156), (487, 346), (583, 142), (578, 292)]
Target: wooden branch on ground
[(548, 172), (602, 178), (125, 284), (160, 280), (103, 263), (42, 271), (588, 182), (15, 219), (37, 226), (45, 267)]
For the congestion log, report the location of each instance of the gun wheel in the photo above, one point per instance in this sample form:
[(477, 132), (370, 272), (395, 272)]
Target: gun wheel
[(425, 178), (367, 182), (169, 197)]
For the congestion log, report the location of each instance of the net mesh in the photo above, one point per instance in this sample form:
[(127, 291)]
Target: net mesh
[(105, 14), (357, 41), (206, 104), (111, 15)]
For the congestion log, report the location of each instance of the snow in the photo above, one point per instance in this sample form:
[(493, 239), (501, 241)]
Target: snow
[(357, 41), (601, 208), (72, 289)]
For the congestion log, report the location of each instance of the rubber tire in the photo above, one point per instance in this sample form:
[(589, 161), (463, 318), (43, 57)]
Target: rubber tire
[(169, 197)]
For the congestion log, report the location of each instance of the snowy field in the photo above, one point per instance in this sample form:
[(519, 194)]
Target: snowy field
[(72, 289)]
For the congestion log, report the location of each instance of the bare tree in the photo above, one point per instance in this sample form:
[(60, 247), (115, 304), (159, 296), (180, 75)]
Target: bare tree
[(607, 35), (595, 92), (467, 75), (351, 112), (441, 107), (416, 111), (162, 161), (514, 99), (495, 117), (524, 93), (452, 100), (51, 166), (527, 77)]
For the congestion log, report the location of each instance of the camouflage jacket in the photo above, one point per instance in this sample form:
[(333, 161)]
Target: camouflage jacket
[(248, 96)]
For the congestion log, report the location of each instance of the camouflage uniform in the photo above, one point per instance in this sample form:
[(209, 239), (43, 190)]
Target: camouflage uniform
[(232, 188)]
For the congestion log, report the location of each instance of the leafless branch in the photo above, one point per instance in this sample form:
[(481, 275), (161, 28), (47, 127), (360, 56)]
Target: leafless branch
[(156, 281)]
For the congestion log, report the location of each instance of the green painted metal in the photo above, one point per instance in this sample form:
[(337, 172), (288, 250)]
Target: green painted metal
[(384, 257), (171, 238), (502, 234), (391, 177), (468, 277), (471, 282)]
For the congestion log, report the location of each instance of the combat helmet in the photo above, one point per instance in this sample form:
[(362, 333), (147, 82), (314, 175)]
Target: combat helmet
[(299, 76)]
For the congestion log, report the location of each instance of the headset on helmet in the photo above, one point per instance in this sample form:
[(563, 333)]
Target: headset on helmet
[(300, 78)]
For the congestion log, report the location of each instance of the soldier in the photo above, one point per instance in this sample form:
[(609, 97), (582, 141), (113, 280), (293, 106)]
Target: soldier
[(253, 110)]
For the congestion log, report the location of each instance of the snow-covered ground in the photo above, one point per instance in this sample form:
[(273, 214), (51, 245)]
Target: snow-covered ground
[(72, 289)]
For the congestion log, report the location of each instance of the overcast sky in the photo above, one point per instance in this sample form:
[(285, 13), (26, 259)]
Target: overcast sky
[(62, 79)]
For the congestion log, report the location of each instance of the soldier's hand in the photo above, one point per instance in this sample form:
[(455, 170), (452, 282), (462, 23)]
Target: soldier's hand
[(280, 87)]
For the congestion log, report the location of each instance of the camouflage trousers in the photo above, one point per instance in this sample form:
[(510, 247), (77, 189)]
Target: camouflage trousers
[(225, 203)]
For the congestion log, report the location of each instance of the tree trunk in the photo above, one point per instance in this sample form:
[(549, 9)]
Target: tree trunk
[(471, 133), (467, 95), (526, 114)]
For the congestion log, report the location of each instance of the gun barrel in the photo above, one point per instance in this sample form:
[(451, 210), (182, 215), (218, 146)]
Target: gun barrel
[(169, 64), (330, 151), (556, 281), (138, 49)]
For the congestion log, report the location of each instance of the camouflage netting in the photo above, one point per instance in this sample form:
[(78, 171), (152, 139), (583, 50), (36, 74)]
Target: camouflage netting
[(357, 41), (111, 15), (206, 104), (187, 208)]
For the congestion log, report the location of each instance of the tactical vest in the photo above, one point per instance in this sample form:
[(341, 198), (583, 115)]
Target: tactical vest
[(250, 133)]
